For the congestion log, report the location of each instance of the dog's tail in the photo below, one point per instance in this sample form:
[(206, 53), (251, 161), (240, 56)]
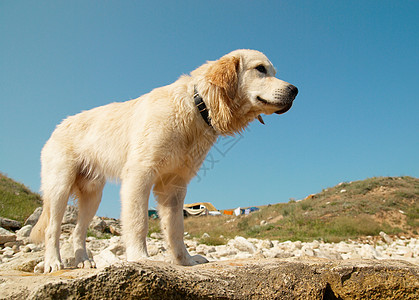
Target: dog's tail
[(38, 231)]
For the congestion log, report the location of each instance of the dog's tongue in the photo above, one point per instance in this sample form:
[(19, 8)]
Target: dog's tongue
[(260, 119)]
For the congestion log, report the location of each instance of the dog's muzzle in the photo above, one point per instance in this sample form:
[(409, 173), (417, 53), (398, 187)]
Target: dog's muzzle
[(292, 92)]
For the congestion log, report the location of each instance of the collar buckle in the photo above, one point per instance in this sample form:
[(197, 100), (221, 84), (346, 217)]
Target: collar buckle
[(202, 108)]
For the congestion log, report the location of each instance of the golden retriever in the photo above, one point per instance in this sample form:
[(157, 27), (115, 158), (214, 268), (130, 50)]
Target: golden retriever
[(155, 142)]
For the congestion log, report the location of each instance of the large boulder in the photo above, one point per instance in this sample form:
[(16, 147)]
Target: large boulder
[(10, 224), (307, 278), (33, 218)]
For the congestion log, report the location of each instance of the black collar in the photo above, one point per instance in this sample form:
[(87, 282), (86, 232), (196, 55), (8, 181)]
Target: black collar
[(200, 104)]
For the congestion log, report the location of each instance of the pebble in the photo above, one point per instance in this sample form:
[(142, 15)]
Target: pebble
[(109, 251)]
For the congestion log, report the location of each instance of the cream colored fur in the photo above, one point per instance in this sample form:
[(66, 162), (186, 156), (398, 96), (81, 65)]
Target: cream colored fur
[(157, 143)]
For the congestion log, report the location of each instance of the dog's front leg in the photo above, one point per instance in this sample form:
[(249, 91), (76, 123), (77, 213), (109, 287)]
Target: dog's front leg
[(135, 191), (170, 192)]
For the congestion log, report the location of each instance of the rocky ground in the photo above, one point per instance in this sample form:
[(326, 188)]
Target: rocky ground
[(18, 254)]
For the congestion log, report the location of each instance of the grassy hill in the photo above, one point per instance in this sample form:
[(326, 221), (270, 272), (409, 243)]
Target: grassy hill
[(348, 210), (17, 202)]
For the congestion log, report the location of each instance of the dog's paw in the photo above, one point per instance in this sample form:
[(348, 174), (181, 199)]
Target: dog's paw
[(39, 268), (86, 264), (50, 266)]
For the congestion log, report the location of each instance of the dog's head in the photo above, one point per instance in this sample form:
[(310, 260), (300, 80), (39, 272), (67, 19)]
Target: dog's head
[(241, 86)]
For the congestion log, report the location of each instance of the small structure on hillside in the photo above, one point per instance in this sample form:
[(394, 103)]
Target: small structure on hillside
[(152, 213), (240, 211), (200, 209)]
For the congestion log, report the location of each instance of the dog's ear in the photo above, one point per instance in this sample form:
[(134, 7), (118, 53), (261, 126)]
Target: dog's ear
[(223, 74)]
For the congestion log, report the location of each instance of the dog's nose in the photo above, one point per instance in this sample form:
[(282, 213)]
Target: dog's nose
[(293, 91)]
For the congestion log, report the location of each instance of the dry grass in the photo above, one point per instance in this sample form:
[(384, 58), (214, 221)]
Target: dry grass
[(17, 202), (364, 209)]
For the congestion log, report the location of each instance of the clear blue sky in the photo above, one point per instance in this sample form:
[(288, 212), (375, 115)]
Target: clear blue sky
[(356, 64)]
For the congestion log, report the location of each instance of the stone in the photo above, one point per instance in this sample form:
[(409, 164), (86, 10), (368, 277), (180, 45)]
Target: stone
[(156, 235), (70, 215), (16, 243), (24, 231), (6, 236), (307, 251), (116, 246), (307, 278), (67, 228), (98, 224), (34, 247), (33, 218), (9, 224), (105, 259), (298, 244), (202, 249), (115, 229), (26, 249), (8, 252), (240, 243), (265, 244), (67, 254), (386, 238), (315, 244), (153, 250)]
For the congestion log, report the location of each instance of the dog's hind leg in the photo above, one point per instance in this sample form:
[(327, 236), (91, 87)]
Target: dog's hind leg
[(57, 178), (170, 192), (89, 194), (57, 208)]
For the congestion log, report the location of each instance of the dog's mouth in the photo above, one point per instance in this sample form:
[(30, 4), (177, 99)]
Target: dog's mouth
[(283, 110)]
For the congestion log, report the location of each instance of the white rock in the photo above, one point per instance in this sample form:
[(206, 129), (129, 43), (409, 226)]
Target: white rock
[(265, 244), (34, 247), (105, 258), (205, 235), (25, 249), (225, 253), (191, 244), (67, 254), (386, 238), (202, 249), (156, 235), (70, 216), (8, 252), (117, 248), (240, 243), (153, 250), (242, 255), (307, 251), (24, 231), (298, 244), (367, 252)]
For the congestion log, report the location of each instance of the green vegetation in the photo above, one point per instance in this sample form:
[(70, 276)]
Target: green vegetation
[(348, 210), (98, 235), (17, 202)]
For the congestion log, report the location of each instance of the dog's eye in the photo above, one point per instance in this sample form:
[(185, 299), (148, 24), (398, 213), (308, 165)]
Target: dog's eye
[(261, 69)]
